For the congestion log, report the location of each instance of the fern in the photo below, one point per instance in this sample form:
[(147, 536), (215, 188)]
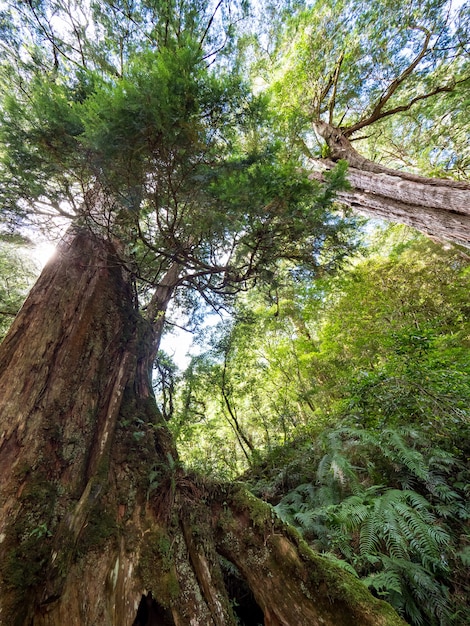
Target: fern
[(389, 536), (384, 582), (340, 563)]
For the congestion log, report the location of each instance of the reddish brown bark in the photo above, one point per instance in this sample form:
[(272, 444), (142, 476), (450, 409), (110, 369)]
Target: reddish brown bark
[(99, 523)]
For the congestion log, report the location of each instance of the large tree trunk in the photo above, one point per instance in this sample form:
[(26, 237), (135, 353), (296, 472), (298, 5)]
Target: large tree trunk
[(99, 523), (438, 207)]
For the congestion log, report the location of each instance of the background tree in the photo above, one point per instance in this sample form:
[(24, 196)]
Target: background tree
[(17, 273), (393, 79)]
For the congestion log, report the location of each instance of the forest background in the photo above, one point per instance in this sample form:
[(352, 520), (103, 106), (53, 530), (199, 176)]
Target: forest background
[(334, 381)]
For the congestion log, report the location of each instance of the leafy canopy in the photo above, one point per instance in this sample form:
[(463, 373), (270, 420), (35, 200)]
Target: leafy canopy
[(392, 73), (157, 142)]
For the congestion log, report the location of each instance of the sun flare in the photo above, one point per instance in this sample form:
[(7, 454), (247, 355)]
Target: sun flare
[(42, 253)]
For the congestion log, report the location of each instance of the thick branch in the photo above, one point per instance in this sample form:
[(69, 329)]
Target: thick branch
[(437, 206), (400, 109), (385, 197), (158, 305), (340, 148)]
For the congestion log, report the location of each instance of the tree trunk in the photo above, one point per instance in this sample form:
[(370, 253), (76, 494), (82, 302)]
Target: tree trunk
[(99, 523), (438, 207)]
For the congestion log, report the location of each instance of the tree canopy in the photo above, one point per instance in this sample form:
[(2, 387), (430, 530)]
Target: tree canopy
[(156, 147), (382, 72)]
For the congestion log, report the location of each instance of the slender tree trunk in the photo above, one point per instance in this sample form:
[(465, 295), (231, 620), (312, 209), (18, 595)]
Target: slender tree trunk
[(99, 523), (438, 207)]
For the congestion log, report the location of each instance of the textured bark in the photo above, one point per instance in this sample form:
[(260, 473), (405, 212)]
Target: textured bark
[(292, 585), (437, 207), (99, 523), (64, 367)]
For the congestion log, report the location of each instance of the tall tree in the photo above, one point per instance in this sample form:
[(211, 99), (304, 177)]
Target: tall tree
[(119, 117), (393, 79)]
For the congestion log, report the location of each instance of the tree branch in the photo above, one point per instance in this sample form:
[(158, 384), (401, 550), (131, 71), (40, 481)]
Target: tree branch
[(209, 24), (331, 103), (407, 107), (242, 438), (57, 50), (392, 88)]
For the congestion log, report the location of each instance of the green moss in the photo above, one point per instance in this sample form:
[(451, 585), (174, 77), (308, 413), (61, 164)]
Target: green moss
[(39, 494), (156, 567), (22, 470), (338, 584), (100, 527), (26, 543), (25, 556), (261, 514), (23, 565)]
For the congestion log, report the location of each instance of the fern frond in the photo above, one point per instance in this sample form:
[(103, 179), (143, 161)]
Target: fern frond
[(369, 540), (340, 563), (305, 518), (384, 582)]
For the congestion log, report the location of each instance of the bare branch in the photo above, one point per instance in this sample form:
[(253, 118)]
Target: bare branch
[(331, 103), (209, 24), (377, 112), (50, 36), (405, 107)]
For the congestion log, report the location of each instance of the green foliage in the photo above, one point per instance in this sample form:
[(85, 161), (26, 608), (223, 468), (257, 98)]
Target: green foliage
[(396, 66), (16, 276), (384, 343), (347, 398), (376, 501), (176, 158), (156, 108), (408, 344)]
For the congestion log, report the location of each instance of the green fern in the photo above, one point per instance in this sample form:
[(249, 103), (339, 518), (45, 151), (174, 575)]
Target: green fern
[(347, 567), (391, 537), (384, 582)]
